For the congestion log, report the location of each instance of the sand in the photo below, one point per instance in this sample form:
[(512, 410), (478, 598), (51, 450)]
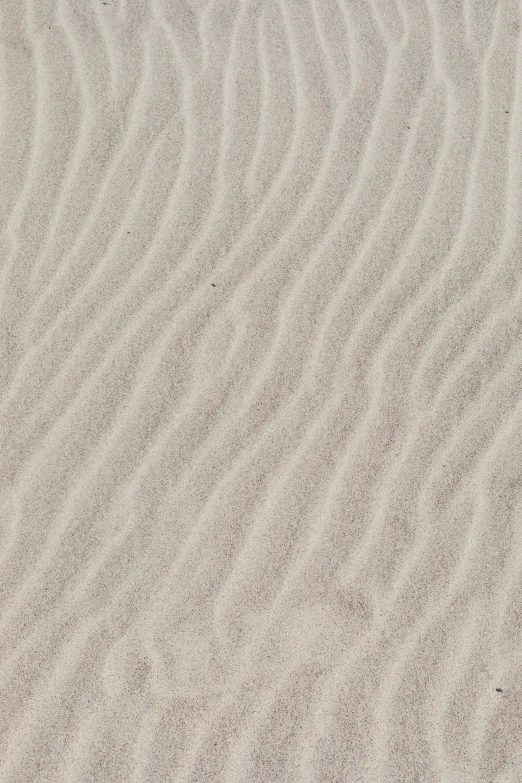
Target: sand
[(261, 391)]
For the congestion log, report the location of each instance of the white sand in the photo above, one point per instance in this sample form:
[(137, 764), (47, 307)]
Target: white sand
[(261, 377)]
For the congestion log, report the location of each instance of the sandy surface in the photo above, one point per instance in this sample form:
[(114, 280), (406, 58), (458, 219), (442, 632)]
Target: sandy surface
[(261, 391)]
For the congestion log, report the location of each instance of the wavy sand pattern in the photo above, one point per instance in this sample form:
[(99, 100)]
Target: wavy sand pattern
[(261, 383)]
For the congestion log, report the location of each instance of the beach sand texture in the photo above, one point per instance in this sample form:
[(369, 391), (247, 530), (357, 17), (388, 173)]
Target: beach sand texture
[(261, 391)]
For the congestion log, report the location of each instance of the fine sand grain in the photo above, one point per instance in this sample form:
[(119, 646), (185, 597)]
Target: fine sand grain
[(260, 391)]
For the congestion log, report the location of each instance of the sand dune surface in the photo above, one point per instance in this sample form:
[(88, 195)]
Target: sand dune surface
[(261, 391)]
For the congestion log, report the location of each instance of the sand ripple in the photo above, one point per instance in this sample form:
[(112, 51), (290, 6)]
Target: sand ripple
[(260, 381)]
